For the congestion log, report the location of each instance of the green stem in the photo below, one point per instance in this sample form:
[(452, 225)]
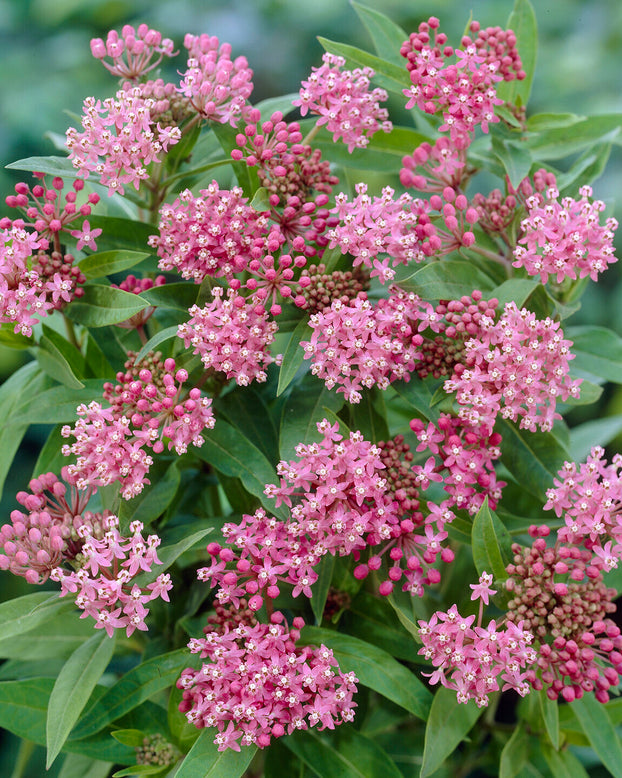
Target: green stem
[(311, 135), (26, 748), (71, 333)]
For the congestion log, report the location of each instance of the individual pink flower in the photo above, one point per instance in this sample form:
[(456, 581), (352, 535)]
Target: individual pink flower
[(120, 139), (344, 102), (517, 368), (259, 685), (86, 236), (482, 590), (217, 87), (134, 53), (231, 336), (565, 239)]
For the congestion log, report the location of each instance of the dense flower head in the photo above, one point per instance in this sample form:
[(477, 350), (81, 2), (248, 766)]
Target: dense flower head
[(561, 598), (110, 443), (133, 53), (564, 239), (433, 168), (475, 661), (589, 497), (517, 367), (231, 336), (108, 563), (260, 685), (463, 90), (217, 87), (156, 750), (398, 229), (496, 45), (24, 295), (337, 502), (359, 345), (496, 210), (273, 279), (215, 234), (344, 102), (120, 139), (49, 214)]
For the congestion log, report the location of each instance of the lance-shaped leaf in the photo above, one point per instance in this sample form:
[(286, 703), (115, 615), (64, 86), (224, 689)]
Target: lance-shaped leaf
[(25, 613), (550, 714), (73, 688), (523, 22), (446, 280), (515, 753), (57, 404), (293, 356), (53, 166), (101, 305), (449, 723), (105, 263), (492, 545), (598, 351), (599, 730), (387, 36), (390, 76), (204, 760)]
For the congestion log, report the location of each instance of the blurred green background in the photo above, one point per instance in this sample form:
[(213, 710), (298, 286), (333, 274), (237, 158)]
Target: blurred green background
[(46, 70)]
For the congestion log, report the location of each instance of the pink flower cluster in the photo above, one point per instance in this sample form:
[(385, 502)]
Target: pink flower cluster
[(120, 139), (23, 293), (400, 229), (360, 345), (57, 530), (103, 584), (338, 502), (110, 443), (217, 87), (214, 234), (589, 497), (516, 367), (565, 239), (344, 102), (463, 91), (475, 661), (231, 336), (132, 53), (259, 685)]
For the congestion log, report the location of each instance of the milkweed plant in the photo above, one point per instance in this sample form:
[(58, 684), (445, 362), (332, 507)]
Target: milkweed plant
[(309, 505)]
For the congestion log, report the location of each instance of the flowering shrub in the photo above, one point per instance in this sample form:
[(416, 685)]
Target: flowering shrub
[(310, 476)]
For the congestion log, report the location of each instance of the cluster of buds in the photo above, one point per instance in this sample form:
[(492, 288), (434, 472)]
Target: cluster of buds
[(434, 168), (322, 288), (561, 598), (133, 53), (259, 685)]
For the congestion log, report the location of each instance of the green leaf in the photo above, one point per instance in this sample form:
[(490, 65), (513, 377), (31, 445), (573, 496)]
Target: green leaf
[(515, 753), (368, 619), (230, 452), (449, 723), (514, 290), (533, 458), (205, 761), (245, 409), (523, 22), (589, 393), (587, 168), (596, 724), (55, 365), (57, 404), (547, 121), (247, 177), (283, 104), (73, 688), (55, 637), (129, 737), (392, 77), (387, 36), (25, 613), (160, 337), (515, 158), (53, 166), (345, 753), (261, 200), (563, 764), (71, 353), (384, 150), (77, 766), (25, 382), (105, 263), (418, 394), (375, 669), (492, 545), (176, 297), (101, 305), (550, 715), (562, 141), (12, 339), (598, 351), (321, 586), (124, 234), (135, 687), (303, 410), (23, 707), (599, 432), (140, 769), (153, 500), (293, 356), (364, 417), (448, 279)]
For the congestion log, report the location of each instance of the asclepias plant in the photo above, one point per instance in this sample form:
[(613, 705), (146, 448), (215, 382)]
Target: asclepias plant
[(308, 493)]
